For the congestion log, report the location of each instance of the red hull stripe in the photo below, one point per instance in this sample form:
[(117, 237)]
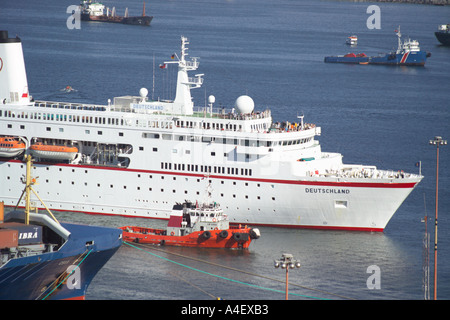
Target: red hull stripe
[(406, 185), (405, 56)]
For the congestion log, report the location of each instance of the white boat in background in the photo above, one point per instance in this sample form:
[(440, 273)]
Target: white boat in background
[(137, 157), (352, 40)]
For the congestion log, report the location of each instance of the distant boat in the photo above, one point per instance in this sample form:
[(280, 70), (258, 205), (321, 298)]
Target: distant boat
[(408, 54), (95, 11), (443, 34), (352, 40)]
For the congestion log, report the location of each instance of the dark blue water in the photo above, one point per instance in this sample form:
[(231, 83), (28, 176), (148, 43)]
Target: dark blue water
[(272, 51)]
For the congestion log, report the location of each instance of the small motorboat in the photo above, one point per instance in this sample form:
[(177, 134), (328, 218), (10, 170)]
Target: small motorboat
[(352, 40), (194, 225), (11, 147)]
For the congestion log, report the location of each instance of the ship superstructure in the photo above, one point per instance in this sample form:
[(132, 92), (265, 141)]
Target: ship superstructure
[(137, 157)]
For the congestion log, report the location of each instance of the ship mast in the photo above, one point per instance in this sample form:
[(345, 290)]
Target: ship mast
[(29, 181), (183, 99), (399, 35)]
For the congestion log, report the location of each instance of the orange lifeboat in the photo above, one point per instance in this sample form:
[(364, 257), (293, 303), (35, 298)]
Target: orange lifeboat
[(191, 225), (54, 152), (11, 147)]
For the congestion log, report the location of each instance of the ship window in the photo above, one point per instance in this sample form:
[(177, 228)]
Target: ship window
[(48, 128), (155, 149), (120, 134), (342, 204)]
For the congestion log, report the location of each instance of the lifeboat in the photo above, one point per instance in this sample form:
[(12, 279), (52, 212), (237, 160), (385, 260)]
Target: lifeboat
[(191, 225), (54, 152), (11, 147)]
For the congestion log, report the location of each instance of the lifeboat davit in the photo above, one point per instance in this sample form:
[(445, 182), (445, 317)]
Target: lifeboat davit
[(11, 147), (192, 225), (54, 152)]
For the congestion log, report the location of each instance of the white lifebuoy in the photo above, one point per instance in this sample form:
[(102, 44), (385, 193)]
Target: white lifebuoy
[(214, 220)]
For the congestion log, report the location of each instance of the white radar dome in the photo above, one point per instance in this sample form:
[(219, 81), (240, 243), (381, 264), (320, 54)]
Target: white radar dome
[(143, 92), (211, 99), (244, 104)]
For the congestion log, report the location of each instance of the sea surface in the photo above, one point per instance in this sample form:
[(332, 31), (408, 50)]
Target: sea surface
[(272, 50)]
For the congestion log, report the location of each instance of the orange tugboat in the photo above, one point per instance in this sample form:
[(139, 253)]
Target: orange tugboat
[(194, 225)]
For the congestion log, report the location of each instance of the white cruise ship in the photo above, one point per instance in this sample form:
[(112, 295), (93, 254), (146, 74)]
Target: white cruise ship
[(135, 157)]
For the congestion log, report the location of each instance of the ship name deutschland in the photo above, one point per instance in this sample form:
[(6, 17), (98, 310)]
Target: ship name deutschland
[(327, 190)]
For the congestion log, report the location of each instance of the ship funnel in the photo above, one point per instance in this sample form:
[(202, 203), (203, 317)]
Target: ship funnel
[(13, 77)]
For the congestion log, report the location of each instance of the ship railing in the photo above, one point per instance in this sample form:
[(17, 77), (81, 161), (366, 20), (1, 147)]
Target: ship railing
[(368, 172), (230, 114), (278, 127), (70, 105)]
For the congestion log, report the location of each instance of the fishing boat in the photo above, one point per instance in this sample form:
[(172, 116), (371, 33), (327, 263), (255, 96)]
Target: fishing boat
[(11, 147), (53, 152), (41, 258), (194, 225)]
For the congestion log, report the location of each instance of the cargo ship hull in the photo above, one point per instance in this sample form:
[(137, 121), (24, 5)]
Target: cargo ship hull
[(62, 274), (443, 37), (405, 59), (136, 20)]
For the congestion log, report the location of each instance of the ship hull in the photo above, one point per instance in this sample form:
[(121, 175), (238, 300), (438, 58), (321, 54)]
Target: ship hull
[(405, 59), (49, 275), (320, 203), (136, 20), (443, 37), (231, 238)]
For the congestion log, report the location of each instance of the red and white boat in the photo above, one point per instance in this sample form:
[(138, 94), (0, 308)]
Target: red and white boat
[(193, 225), (11, 147)]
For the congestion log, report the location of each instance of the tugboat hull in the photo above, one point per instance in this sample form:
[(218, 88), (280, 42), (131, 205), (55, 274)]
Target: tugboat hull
[(230, 238)]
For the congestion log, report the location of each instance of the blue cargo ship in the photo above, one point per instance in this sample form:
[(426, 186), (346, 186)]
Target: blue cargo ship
[(43, 259), (408, 53)]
